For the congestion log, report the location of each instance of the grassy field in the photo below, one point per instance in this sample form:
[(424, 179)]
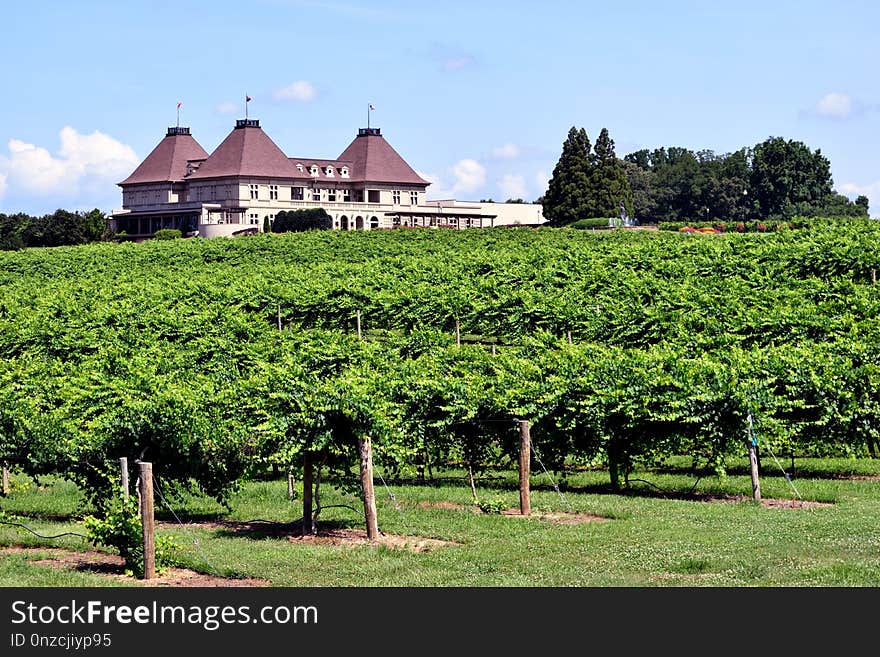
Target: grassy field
[(655, 535)]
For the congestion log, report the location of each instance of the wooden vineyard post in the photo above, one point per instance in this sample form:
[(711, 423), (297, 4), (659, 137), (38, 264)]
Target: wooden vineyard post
[(147, 519), (279, 316), (5, 484), (753, 462), (365, 451), (568, 333), (457, 332), (360, 337), (308, 527), (123, 468), (525, 463), (290, 482)]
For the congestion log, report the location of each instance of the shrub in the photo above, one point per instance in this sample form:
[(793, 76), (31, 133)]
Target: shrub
[(121, 528), (168, 234), (494, 505), (591, 223), (296, 221)]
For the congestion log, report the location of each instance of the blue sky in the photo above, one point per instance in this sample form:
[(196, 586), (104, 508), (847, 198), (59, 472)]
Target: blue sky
[(478, 96)]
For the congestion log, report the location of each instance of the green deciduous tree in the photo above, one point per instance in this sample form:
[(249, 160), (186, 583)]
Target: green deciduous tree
[(787, 178)]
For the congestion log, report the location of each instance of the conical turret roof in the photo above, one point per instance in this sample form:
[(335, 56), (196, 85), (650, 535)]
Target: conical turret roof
[(167, 162), (374, 160), (246, 151)]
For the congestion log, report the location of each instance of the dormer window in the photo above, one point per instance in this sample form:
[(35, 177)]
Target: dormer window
[(314, 170), (329, 172), (344, 172), (299, 167)]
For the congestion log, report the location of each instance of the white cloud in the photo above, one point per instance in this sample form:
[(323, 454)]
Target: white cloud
[(468, 177), (300, 90), (2, 184), (90, 161), (227, 108), (438, 189), (469, 174), (871, 190), (834, 106), (430, 177), (506, 152), (456, 63), (542, 180), (512, 186)]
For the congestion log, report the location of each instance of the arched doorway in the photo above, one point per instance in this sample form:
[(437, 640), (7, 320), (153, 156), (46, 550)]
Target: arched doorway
[(358, 223), (374, 223), (343, 222)]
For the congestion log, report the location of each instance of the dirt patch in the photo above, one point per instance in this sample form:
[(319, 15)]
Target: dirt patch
[(445, 505), (557, 517), (327, 534), (770, 503), (570, 518), (344, 537), (860, 477), (113, 567), (792, 504)]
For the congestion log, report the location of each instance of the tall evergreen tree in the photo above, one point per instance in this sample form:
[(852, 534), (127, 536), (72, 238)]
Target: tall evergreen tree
[(567, 198), (610, 185)]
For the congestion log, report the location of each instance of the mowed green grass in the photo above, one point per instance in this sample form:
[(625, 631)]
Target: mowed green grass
[(651, 536)]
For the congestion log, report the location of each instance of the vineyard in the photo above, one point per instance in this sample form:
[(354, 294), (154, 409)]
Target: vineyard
[(224, 361)]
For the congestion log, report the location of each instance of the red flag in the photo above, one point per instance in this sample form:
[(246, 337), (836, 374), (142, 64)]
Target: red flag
[(247, 99), (179, 104)]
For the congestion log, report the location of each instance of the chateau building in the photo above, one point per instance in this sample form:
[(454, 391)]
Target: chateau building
[(248, 180)]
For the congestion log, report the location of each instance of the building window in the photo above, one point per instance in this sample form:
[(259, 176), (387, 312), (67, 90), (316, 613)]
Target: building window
[(329, 172), (273, 192), (395, 197), (296, 193), (372, 196), (255, 191), (271, 218), (358, 196), (413, 198), (314, 170), (316, 194), (344, 172), (331, 195), (299, 167), (254, 218), (346, 196)]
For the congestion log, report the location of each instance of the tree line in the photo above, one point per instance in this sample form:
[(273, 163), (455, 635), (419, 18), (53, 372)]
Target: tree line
[(61, 228), (774, 180)]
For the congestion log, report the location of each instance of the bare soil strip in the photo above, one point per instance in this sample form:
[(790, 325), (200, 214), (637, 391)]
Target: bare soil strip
[(327, 535), (113, 567), (558, 517)]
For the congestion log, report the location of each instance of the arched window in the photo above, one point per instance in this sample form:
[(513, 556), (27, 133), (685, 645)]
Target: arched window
[(343, 222), (374, 223), (314, 170), (344, 172), (329, 172)]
